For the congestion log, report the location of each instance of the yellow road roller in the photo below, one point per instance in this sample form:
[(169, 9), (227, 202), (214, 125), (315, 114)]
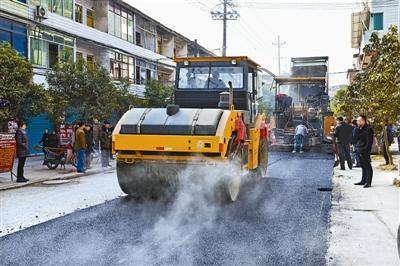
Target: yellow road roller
[(214, 123)]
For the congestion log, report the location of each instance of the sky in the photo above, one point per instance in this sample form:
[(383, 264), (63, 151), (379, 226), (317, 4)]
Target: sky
[(306, 31)]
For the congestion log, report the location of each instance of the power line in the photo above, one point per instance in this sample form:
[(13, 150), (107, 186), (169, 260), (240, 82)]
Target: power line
[(315, 6), (224, 11), (279, 44)]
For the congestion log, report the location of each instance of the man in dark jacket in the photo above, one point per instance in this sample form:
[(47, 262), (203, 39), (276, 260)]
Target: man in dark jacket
[(22, 150), (364, 145), (89, 142), (343, 135), (105, 143), (390, 137), (356, 156)]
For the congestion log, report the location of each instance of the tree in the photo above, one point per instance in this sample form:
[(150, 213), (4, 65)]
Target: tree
[(126, 99), (157, 94), (19, 96), (342, 103), (85, 91), (375, 92)]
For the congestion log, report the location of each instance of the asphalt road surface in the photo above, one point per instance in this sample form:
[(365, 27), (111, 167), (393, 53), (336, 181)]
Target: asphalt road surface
[(279, 220)]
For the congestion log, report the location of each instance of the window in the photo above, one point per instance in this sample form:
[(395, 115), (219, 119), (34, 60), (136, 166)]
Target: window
[(130, 28), (137, 74), (15, 34), (53, 54), (145, 72), (68, 8), (121, 66), (111, 22), (146, 34), (79, 56), (48, 48), (214, 78), (78, 13), (139, 39), (57, 7), (90, 62), (38, 52), (377, 21), (120, 22), (89, 18), (193, 77)]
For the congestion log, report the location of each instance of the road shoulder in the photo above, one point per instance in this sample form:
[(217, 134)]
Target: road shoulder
[(363, 225)]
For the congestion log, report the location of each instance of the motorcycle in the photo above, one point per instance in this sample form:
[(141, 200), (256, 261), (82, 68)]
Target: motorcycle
[(59, 156)]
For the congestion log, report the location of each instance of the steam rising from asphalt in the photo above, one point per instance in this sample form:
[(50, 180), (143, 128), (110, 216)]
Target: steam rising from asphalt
[(194, 209)]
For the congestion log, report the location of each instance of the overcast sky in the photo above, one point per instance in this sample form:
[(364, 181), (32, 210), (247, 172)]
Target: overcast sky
[(306, 31)]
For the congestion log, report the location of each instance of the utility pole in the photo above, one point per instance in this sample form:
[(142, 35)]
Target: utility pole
[(279, 44), (224, 11)]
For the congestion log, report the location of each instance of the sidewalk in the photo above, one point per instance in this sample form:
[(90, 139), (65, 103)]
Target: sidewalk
[(37, 173), (364, 221)]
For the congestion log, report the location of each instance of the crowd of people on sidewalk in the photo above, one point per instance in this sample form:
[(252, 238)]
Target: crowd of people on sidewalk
[(353, 141), (86, 139)]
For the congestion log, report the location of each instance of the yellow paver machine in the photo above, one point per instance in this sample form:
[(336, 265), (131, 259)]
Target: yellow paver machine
[(214, 123)]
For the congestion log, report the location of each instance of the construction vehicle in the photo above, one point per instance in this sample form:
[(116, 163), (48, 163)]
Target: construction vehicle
[(214, 122), (303, 97)]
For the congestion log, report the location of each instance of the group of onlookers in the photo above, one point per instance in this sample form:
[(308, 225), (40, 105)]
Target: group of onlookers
[(87, 138), (353, 141)]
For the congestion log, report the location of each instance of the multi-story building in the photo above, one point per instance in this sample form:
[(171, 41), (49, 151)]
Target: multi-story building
[(112, 33), (377, 16)]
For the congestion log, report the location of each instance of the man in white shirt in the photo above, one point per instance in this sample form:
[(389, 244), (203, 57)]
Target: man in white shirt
[(300, 136)]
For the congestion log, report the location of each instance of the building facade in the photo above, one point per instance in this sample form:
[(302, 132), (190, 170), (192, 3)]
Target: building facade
[(377, 16), (127, 42)]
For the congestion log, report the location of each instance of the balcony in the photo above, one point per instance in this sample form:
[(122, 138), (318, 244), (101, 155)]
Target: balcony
[(15, 8)]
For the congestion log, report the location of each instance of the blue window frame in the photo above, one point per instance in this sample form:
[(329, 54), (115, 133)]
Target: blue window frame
[(377, 20), (16, 34)]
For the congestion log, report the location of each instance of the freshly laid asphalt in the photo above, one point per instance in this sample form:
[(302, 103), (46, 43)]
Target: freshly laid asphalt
[(279, 220)]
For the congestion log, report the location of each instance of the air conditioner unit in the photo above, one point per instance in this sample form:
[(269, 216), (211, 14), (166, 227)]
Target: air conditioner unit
[(41, 12)]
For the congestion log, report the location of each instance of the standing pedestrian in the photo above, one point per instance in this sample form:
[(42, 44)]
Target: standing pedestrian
[(105, 143), (385, 143), (96, 133), (300, 135), (89, 142), (343, 136), (365, 140), (80, 147), (356, 156), (398, 135), (45, 142), (22, 151)]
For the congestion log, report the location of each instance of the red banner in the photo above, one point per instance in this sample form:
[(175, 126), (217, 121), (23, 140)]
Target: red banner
[(7, 152), (66, 132)]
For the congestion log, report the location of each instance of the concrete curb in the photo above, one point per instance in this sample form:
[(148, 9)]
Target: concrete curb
[(57, 177)]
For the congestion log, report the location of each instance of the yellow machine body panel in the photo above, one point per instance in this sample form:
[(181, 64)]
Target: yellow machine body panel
[(168, 145)]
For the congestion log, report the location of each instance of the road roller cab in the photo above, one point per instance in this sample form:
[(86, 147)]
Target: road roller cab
[(214, 121)]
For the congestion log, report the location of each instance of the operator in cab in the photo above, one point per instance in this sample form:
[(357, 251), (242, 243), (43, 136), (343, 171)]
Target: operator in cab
[(215, 82)]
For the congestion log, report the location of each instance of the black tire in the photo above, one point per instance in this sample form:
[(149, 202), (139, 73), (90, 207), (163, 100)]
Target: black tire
[(232, 184), (52, 165), (398, 240), (74, 161), (140, 181)]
